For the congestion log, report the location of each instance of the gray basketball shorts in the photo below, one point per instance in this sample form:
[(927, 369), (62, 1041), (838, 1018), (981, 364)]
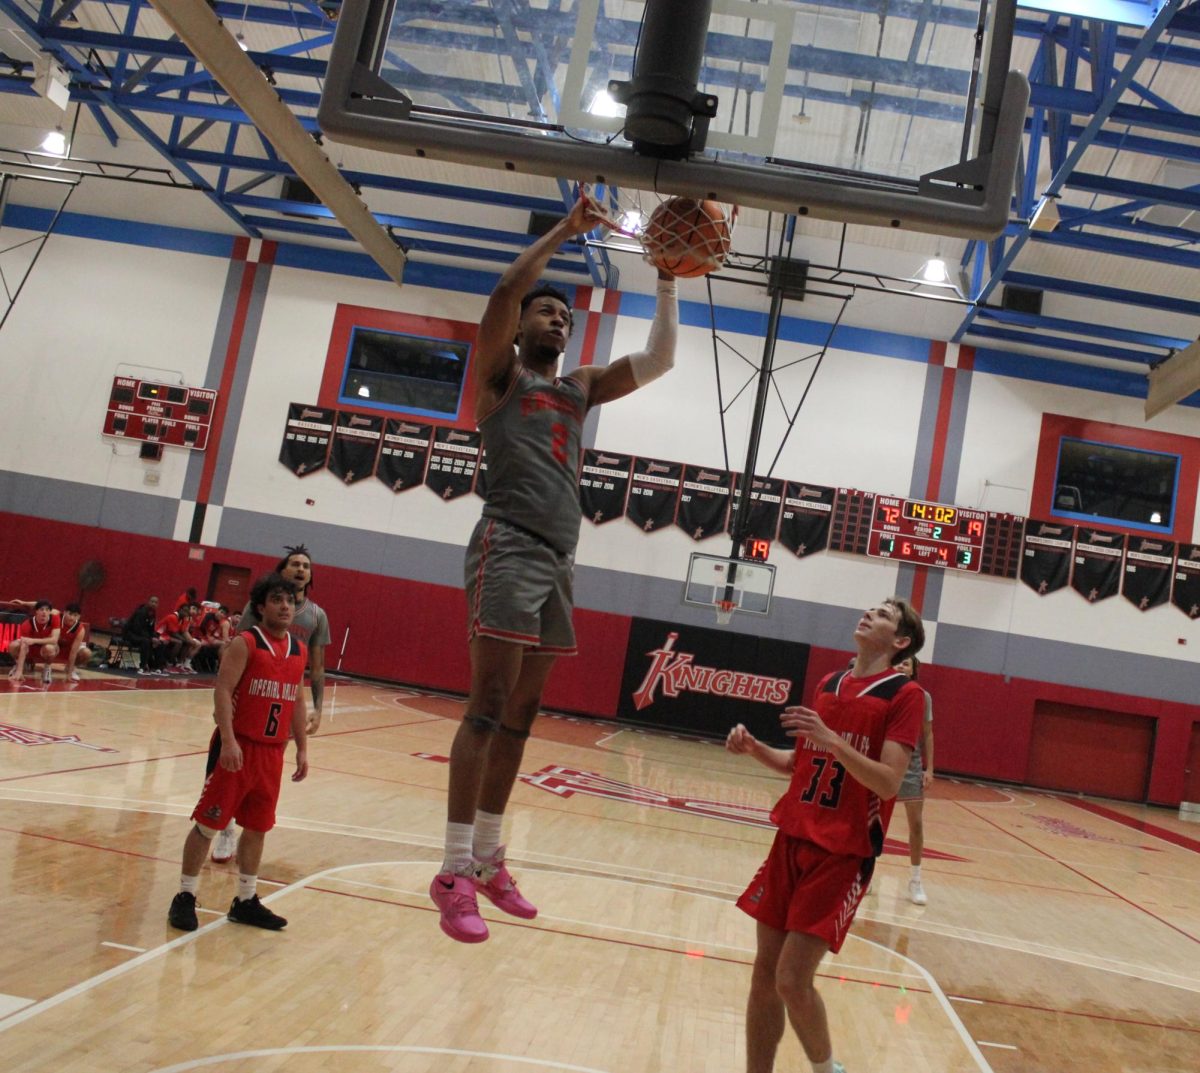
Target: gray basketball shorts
[(912, 787), (519, 589)]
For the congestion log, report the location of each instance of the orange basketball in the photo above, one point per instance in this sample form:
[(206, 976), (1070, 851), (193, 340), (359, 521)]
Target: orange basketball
[(687, 237)]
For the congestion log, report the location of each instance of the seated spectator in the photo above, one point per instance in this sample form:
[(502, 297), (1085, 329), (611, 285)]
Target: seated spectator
[(37, 638), (181, 646), (214, 636), (141, 634), (72, 641)]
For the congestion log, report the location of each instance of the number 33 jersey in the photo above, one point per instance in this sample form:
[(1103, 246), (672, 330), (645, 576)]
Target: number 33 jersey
[(824, 803), (266, 693), (532, 440)]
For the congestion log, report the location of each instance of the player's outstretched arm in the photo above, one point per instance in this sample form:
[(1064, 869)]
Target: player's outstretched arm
[(494, 353), (743, 743), (637, 370)]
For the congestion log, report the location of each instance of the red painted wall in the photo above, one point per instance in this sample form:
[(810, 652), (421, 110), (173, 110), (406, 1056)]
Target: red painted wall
[(413, 632)]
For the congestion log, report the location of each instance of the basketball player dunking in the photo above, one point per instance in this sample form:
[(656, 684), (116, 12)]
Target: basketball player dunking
[(520, 558), (850, 756)]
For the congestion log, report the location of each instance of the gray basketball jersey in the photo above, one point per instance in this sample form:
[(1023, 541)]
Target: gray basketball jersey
[(309, 624), (532, 439)]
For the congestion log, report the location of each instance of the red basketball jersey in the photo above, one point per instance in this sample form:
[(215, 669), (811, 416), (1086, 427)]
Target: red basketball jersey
[(29, 628), (266, 693), (68, 634), (824, 803)]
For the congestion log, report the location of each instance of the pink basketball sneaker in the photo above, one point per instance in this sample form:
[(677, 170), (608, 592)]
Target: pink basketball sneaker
[(493, 881), (455, 898)]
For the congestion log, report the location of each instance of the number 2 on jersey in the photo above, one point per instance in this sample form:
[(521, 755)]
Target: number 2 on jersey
[(837, 773)]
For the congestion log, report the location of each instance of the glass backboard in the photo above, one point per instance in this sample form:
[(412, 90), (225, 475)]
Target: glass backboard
[(902, 115), (713, 580)]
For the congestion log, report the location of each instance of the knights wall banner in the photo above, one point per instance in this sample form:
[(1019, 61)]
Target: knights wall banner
[(705, 681)]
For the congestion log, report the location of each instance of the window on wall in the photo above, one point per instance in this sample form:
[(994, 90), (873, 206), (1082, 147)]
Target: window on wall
[(1124, 486), (406, 373)]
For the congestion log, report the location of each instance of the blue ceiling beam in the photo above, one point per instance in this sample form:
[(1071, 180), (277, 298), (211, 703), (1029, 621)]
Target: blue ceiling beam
[(1143, 193), (1070, 346), (1120, 247), (1062, 171), (1079, 327), (1117, 295), (65, 57)]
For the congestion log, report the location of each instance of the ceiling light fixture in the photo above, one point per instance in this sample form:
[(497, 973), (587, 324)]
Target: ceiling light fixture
[(604, 105), (55, 143), (934, 271)]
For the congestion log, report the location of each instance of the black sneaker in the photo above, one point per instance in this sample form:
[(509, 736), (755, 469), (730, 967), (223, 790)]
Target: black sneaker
[(252, 911), (182, 914)]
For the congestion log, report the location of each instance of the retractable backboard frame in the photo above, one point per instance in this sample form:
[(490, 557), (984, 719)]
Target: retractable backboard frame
[(969, 198)]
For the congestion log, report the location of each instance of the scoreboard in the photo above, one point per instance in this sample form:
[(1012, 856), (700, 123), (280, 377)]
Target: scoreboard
[(160, 413), (929, 534)]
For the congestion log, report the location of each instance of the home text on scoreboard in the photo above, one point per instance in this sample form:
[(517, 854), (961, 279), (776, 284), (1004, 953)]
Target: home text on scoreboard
[(160, 413), (929, 534)]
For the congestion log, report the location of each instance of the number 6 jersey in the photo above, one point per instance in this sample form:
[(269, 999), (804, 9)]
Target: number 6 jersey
[(266, 693), (826, 805), (532, 438)]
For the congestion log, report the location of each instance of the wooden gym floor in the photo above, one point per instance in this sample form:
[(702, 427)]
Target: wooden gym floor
[(1060, 934)]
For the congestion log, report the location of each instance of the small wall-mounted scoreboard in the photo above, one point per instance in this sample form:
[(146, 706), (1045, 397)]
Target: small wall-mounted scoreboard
[(160, 413), (930, 534)]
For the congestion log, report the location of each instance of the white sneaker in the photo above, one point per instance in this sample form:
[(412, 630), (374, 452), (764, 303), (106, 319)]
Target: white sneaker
[(73, 676), (225, 844), (916, 893)]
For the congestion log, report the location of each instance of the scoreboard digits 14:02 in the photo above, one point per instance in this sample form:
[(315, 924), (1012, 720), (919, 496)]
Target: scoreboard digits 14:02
[(929, 534)]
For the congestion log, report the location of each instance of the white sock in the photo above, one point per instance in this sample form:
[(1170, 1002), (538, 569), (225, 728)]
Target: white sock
[(458, 858), (247, 885), (487, 834), (823, 1067), (916, 873), (191, 884)]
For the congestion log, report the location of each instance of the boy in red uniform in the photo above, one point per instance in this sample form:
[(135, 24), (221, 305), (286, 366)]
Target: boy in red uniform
[(258, 698), (72, 641), (852, 750), (37, 638)]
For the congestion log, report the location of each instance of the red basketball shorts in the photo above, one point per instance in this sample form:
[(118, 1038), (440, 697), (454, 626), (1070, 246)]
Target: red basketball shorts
[(249, 795), (802, 887)]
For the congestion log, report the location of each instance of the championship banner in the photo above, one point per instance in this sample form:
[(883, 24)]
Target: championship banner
[(403, 455), (1096, 574), (766, 498), (705, 681), (355, 446), (1185, 592), (306, 438), (453, 457), (804, 524), (1147, 579), (704, 501), (604, 485), (653, 493), (1046, 555), (481, 475)]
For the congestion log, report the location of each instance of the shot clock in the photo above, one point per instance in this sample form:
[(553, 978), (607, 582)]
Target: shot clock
[(929, 534)]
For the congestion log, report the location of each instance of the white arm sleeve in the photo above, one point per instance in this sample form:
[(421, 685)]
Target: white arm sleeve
[(659, 355)]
